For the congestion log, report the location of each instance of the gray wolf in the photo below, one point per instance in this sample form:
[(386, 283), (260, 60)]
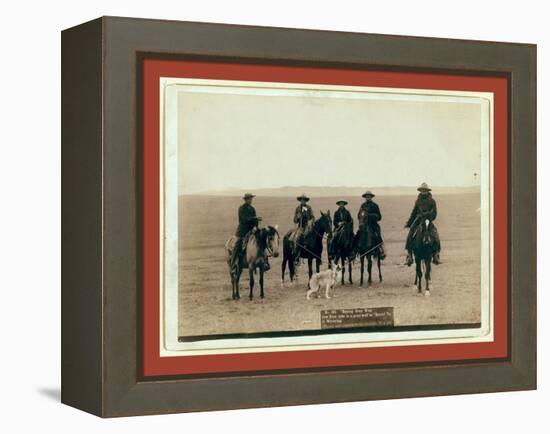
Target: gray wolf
[(326, 279)]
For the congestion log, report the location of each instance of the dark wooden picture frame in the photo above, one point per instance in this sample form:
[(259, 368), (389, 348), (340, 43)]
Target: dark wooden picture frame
[(101, 227)]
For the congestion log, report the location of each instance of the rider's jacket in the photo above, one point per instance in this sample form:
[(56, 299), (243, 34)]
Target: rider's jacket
[(247, 219), (303, 214), (425, 207), (369, 214), (342, 215)]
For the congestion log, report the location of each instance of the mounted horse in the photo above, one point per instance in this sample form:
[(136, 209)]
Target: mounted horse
[(309, 247), (341, 248), (366, 244), (261, 244), (423, 248)]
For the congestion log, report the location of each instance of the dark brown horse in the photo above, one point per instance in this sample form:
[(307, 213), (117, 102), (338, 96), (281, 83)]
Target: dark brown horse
[(260, 246), (341, 248), (310, 248), (367, 246), (423, 246)]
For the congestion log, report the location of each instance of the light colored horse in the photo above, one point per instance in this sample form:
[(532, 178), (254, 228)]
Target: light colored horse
[(261, 245)]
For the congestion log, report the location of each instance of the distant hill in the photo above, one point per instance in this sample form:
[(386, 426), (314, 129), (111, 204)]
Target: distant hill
[(339, 191)]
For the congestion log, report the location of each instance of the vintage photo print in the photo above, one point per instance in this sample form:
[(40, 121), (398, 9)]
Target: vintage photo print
[(310, 216)]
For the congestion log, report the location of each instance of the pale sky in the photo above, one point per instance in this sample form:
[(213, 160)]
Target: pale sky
[(250, 142)]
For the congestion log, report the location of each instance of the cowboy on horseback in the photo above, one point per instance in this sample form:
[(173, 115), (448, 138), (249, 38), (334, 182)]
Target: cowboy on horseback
[(342, 215), (425, 207), (248, 224), (303, 219), (369, 215)]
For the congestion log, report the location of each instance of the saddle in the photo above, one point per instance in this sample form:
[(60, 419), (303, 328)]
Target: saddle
[(246, 238), (417, 226), (301, 231), (340, 231), (244, 241)]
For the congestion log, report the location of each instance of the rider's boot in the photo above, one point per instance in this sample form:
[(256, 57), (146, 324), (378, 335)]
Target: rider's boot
[(297, 251), (266, 265), (409, 261), (436, 259)]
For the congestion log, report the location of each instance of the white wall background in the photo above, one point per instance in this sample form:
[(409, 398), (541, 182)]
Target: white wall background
[(30, 215)]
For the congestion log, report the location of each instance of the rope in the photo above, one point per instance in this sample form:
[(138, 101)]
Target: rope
[(307, 250), (370, 250)]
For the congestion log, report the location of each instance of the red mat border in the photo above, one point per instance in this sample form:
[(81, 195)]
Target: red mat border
[(154, 366)]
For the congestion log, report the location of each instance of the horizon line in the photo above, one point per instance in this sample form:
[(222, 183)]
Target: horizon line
[(238, 191)]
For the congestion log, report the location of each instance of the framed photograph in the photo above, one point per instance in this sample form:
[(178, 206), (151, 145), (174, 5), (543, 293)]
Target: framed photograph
[(257, 217)]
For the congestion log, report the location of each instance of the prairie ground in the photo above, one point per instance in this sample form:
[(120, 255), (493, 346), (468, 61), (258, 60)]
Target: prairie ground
[(206, 307)]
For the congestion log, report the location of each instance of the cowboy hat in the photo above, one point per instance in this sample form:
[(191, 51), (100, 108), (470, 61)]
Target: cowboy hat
[(342, 201), (248, 196), (424, 187), (368, 193), (303, 196)]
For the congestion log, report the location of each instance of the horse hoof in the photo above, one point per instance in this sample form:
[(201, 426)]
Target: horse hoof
[(427, 294)]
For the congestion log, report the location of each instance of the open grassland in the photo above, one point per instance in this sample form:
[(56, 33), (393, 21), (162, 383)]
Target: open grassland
[(206, 307)]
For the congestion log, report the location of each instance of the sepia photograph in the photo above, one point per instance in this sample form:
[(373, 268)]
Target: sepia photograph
[(324, 215), (258, 215)]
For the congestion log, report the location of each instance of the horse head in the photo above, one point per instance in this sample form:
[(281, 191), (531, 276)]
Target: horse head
[(272, 241), (426, 234), (325, 223)]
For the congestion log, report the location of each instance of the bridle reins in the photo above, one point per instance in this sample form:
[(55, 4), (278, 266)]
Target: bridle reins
[(269, 238), (328, 232)]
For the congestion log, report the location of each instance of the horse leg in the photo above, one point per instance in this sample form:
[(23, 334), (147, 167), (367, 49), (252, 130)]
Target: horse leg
[(261, 282), (379, 270), (251, 281), (291, 269), (362, 270), (419, 273), (283, 269), (232, 277), (343, 268), (428, 275), (237, 281), (369, 269), (317, 265)]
